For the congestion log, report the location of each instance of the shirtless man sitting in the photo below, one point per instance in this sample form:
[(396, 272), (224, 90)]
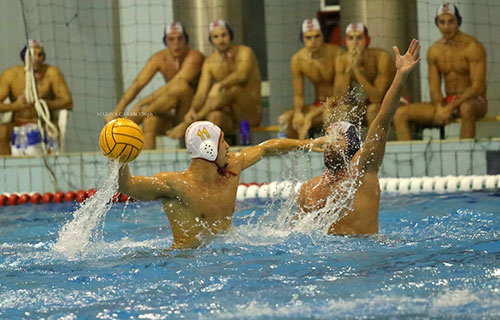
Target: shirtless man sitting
[(50, 85), (180, 66), (199, 201), (229, 89), (349, 166), (461, 60), (315, 62), (362, 77)]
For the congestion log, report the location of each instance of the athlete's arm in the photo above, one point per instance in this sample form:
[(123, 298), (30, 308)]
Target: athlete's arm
[(6, 80), (476, 54), (373, 149), (342, 77), (145, 188), (203, 89), (62, 97), (376, 91), (143, 78), (298, 83), (274, 147), (434, 77), (245, 62)]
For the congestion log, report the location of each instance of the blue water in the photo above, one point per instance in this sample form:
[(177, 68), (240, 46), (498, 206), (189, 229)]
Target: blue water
[(436, 256)]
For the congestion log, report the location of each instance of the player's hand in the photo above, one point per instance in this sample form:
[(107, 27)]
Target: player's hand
[(406, 63), (442, 115)]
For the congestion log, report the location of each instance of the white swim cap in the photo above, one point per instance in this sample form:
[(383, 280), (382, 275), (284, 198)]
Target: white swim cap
[(203, 140), (350, 132), (174, 27), (310, 24), (355, 27), (217, 23)]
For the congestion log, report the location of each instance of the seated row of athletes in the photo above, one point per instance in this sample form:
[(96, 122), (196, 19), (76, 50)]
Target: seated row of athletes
[(229, 87)]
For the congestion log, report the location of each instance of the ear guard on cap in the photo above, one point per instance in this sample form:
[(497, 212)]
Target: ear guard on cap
[(208, 150)]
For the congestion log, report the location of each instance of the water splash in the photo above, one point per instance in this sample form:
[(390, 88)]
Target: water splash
[(87, 226)]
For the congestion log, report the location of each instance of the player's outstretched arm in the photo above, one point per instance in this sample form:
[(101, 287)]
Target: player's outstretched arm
[(373, 148), (274, 147)]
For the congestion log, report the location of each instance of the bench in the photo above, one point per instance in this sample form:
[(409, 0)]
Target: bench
[(487, 118)]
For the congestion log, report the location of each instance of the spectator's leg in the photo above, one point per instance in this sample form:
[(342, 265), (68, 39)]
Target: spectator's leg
[(5, 136), (471, 110), (422, 113), (371, 113), (287, 120), (222, 119), (154, 126)]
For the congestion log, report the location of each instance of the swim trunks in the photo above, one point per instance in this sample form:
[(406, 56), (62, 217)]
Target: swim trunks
[(449, 99)]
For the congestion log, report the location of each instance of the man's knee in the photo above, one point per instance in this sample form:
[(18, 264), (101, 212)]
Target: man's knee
[(401, 114), (181, 89), (5, 131), (467, 110), (215, 117)]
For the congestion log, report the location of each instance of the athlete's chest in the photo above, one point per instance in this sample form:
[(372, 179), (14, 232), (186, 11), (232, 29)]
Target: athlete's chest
[(452, 59), (169, 68), (319, 71), (369, 68), (43, 86)]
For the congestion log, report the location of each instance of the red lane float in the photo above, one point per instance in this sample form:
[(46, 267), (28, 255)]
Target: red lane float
[(24, 198), (81, 195), (35, 198), (58, 197), (12, 200), (47, 197), (3, 200)]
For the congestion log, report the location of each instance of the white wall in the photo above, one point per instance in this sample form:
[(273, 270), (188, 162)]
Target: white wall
[(11, 33)]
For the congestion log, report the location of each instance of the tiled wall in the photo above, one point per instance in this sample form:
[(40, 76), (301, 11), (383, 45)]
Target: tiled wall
[(88, 170)]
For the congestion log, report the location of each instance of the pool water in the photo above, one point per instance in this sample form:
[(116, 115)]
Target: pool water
[(436, 256)]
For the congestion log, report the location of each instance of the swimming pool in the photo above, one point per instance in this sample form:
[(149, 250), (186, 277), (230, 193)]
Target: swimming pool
[(435, 256)]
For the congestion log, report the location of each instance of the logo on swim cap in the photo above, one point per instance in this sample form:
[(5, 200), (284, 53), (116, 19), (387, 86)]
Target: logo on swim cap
[(174, 27), (310, 24), (448, 8), (350, 132), (203, 140)]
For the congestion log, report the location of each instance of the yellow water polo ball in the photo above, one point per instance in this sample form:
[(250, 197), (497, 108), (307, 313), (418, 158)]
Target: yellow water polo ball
[(121, 139)]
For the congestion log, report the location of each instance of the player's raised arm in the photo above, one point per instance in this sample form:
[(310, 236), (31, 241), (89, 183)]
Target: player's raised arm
[(373, 148), (145, 188)]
